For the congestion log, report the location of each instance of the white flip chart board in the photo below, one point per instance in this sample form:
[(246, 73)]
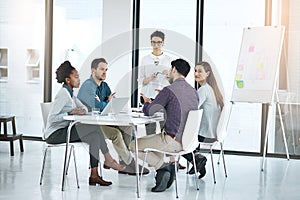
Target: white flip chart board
[(258, 64)]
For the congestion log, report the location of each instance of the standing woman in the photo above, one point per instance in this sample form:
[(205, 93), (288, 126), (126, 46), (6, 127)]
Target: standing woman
[(65, 103), (211, 101)]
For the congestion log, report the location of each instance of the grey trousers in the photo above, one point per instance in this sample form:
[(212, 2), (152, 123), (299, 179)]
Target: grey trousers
[(90, 134)]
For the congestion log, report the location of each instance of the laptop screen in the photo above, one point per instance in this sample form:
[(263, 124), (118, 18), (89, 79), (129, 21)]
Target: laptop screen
[(115, 105)]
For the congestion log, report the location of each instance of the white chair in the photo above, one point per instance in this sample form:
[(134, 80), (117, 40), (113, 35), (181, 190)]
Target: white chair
[(45, 108), (221, 134), (189, 142)]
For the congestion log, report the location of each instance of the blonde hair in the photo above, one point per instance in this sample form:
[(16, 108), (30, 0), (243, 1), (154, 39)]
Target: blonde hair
[(211, 80)]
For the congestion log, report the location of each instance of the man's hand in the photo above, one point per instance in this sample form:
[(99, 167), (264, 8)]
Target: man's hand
[(97, 98), (111, 96), (146, 99)]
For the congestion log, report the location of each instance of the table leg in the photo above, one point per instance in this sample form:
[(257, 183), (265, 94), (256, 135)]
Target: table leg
[(138, 186)]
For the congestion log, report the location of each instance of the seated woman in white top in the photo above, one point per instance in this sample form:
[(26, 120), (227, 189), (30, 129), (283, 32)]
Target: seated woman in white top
[(211, 101), (65, 103)]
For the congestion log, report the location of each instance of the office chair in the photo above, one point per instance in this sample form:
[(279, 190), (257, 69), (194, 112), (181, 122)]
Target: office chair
[(189, 143), (45, 108), (221, 134)]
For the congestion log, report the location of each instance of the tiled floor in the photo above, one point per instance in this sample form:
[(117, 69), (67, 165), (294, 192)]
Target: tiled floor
[(19, 179)]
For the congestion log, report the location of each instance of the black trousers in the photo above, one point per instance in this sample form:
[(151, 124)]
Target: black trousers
[(189, 156), (90, 134)]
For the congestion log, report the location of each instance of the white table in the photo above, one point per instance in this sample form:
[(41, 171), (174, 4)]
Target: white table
[(132, 120)]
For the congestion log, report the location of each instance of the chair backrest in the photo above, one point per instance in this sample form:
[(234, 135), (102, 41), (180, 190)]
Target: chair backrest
[(45, 108), (223, 122), (191, 130)]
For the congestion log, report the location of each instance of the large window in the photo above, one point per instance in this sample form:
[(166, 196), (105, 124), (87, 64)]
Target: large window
[(223, 28), (177, 19), (21, 63), (289, 93), (77, 31)]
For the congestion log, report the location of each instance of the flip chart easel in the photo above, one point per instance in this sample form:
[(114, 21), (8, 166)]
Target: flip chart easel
[(258, 70)]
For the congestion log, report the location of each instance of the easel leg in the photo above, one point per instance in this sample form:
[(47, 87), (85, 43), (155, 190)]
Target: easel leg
[(266, 138), (283, 132)]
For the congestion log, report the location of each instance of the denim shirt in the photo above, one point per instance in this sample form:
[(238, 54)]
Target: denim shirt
[(88, 91)]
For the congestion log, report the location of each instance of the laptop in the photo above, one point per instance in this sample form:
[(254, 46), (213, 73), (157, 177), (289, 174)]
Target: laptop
[(115, 106)]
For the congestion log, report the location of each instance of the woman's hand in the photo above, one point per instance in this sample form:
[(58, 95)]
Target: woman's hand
[(78, 111)]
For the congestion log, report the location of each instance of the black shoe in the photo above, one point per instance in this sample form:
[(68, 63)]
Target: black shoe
[(132, 172), (202, 172), (130, 169), (171, 169), (200, 163), (162, 178), (181, 166)]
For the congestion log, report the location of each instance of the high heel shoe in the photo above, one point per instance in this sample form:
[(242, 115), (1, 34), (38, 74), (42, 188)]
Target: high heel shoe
[(98, 180), (114, 165)]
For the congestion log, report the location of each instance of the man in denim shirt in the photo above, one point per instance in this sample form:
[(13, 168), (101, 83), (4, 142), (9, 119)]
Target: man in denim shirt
[(95, 93)]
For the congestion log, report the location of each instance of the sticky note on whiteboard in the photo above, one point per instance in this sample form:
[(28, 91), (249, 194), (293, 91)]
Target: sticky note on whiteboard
[(251, 49)]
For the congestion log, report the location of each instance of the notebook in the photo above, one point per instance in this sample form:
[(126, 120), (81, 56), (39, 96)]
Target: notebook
[(115, 105)]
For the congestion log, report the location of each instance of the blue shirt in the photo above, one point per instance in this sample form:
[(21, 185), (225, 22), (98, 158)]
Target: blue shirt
[(176, 100), (88, 91)]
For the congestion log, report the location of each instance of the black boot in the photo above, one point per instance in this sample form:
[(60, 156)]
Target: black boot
[(202, 172), (200, 163), (162, 178), (171, 169)]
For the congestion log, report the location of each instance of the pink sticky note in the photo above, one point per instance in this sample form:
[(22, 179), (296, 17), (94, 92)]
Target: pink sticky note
[(251, 49)]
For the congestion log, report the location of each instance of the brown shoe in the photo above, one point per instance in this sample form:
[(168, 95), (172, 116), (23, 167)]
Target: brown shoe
[(114, 165), (98, 180)]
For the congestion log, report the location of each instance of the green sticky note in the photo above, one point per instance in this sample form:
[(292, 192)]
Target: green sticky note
[(240, 83)]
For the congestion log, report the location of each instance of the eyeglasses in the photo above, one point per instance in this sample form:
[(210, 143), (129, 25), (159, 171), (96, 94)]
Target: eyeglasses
[(156, 42)]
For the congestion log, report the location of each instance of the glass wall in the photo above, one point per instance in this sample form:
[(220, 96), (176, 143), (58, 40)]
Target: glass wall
[(223, 28), (177, 19), (21, 62), (77, 31), (289, 93)]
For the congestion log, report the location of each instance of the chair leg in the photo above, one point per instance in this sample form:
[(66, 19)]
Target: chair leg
[(100, 168), (145, 158), (43, 166), (21, 144), (194, 162), (176, 178), (75, 165), (12, 153), (69, 158), (187, 166), (212, 164), (219, 157), (222, 152)]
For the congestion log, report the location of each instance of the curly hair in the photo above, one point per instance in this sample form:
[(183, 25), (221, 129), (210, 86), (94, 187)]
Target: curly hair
[(64, 71)]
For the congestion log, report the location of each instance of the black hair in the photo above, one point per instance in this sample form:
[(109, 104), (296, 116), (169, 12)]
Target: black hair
[(96, 61), (64, 71), (158, 34), (182, 66)]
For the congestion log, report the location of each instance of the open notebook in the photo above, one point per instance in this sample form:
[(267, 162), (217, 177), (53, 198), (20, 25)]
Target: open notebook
[(115, 105)]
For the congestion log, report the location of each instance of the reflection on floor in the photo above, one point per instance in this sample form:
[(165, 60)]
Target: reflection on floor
[(19, 179)]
